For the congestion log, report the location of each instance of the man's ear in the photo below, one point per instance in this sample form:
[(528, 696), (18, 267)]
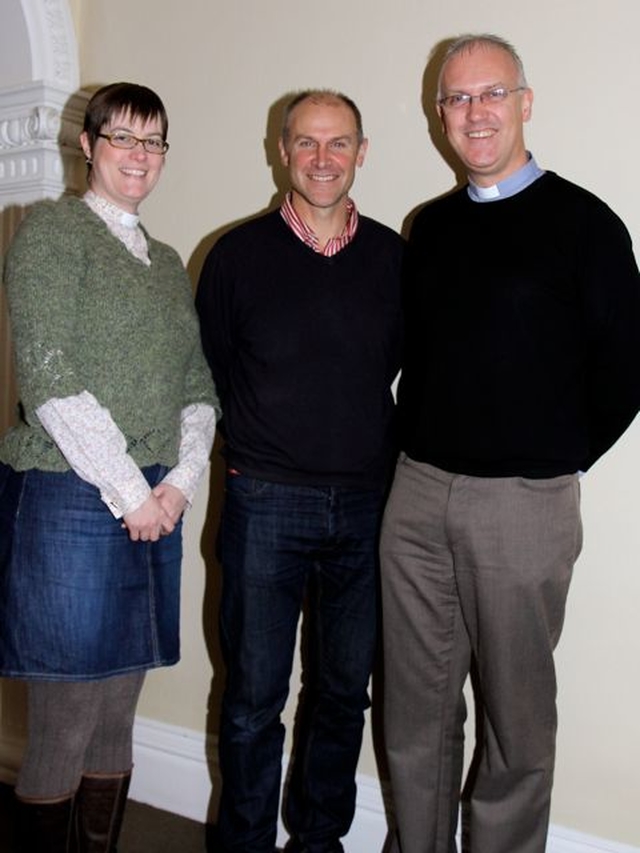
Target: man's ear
[(527, 104), (443, 123), (362, 151), (284, 156)]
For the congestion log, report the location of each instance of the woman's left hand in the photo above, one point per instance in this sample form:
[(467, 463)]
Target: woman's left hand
[(172, 501)]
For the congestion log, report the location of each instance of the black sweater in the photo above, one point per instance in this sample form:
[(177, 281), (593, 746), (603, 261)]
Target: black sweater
[(523, 333), (303, 349)]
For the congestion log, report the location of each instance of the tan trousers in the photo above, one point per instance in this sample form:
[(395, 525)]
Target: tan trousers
[(475, 572)]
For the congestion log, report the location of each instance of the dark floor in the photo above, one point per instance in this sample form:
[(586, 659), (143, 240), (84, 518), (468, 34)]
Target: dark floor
[(145, 830)]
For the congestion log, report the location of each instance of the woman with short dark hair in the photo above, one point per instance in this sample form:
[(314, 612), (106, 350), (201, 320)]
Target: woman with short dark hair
[(117, 421)]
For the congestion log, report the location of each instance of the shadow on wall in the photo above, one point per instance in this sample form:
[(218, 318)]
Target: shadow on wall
[(434, 125), (13, 697), (208, 541), (280, 180), (13, 706)]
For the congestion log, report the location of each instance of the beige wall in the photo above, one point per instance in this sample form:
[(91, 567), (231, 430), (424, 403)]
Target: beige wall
[(220, 66)]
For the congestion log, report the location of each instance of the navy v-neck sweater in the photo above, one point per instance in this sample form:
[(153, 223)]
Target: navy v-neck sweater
[(304, 349), (522, 352)]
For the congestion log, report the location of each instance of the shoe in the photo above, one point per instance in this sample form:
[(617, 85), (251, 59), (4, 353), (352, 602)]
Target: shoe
[(44, 826)]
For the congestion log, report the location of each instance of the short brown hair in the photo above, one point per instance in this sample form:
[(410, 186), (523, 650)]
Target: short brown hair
[(320, 96), (109, 101)]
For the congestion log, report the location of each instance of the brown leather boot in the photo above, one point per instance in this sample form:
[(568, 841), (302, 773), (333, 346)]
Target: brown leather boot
[(100, 803), (45, 826)]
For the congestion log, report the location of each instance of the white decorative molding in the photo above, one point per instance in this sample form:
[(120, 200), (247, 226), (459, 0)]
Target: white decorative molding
[(41, 118), (40, 154), (39, 124), (54, 54), (176, 770)]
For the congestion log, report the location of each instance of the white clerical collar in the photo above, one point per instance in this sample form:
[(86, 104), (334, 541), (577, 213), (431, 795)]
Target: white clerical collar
[(484, 193), (512, 185), (122, 224)]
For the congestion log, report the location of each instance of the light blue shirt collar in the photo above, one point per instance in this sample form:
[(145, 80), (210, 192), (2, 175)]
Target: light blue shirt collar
[(515, 183)]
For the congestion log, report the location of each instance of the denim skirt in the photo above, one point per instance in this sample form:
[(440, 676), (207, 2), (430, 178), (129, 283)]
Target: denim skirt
[(78, 599)]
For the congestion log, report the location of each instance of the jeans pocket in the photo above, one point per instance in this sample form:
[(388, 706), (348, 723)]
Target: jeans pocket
[(241, 485)]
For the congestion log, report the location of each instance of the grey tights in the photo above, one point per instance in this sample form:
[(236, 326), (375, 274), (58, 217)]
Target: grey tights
[(77, 728)]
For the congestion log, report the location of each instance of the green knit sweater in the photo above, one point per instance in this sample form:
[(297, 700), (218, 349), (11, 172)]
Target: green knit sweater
[(87, 315)]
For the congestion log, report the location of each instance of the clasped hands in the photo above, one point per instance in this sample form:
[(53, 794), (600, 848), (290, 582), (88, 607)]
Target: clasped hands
[(157, 516)]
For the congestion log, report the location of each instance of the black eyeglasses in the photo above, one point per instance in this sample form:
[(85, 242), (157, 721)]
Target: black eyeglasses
[(123, 139), (491, 96)]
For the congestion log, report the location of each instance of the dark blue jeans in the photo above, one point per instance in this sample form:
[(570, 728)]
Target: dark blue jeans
[(280, 543)]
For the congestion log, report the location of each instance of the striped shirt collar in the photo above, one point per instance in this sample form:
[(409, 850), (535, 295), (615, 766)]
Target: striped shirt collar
[(304, 233)]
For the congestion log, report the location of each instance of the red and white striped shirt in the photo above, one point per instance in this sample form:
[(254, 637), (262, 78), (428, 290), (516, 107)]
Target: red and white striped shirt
[(302, 230)]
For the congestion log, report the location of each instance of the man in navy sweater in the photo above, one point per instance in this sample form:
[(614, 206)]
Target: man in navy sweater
[(520, 370), (301, 324)]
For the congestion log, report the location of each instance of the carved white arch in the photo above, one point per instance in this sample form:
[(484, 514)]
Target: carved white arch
[(41, 110), (54, 54)]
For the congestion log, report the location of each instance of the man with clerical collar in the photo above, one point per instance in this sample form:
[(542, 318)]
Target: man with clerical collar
[(520, 370)]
